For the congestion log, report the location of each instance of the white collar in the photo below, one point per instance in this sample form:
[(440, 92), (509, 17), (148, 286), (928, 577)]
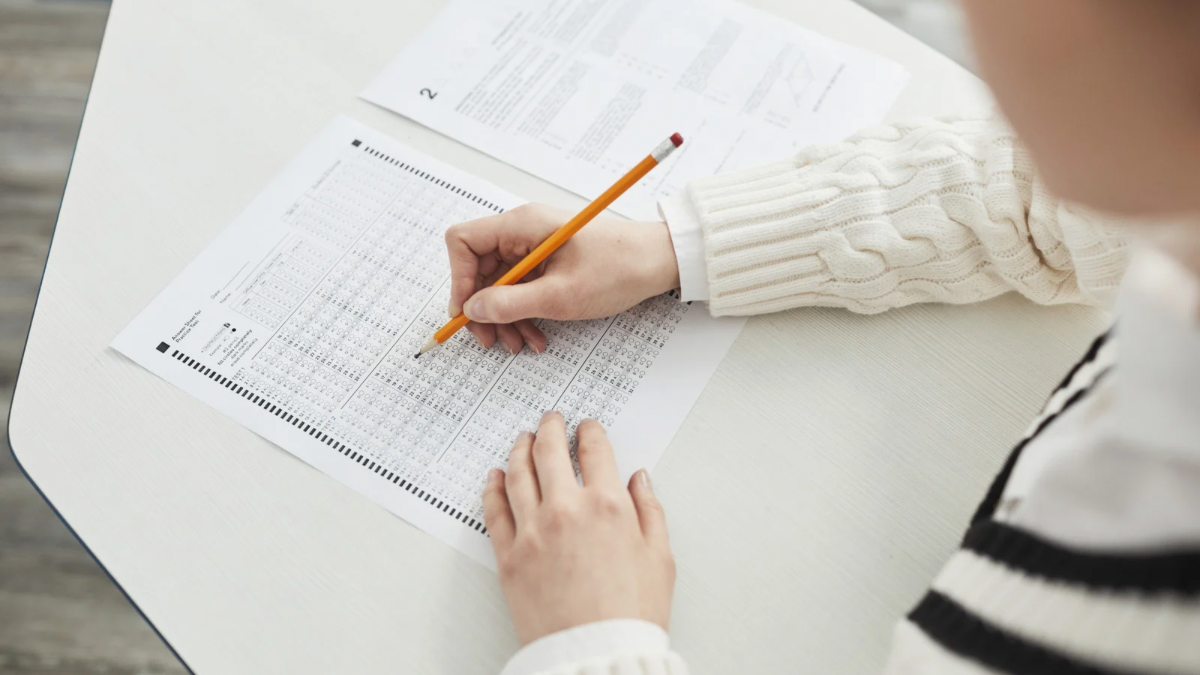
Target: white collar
[(1158, 401)]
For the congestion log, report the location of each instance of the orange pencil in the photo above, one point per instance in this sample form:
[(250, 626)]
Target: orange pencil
[(562, 234)]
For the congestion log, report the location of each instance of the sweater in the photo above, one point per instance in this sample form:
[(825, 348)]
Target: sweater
[(928, 211), (1084, 555)]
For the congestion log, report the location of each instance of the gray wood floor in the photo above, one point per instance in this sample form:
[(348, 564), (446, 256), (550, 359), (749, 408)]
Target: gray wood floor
[(59, 612)]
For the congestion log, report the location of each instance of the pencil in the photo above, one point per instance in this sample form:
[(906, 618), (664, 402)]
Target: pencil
[(562, 234)]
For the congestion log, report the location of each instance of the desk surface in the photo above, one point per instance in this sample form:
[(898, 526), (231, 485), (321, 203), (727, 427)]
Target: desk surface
[(813, 492)]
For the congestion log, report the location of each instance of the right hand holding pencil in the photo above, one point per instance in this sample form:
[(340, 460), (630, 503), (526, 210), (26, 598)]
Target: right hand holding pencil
[(608, 267)]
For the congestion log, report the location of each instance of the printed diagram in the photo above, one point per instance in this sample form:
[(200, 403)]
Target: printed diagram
[(799, 80)]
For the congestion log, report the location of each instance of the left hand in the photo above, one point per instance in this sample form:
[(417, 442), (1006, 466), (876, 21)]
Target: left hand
[(569, 554)]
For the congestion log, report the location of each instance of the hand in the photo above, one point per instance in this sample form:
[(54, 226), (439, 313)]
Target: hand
[(606, 268), (570, 555)]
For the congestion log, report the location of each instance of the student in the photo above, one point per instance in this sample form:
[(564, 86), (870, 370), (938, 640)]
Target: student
[(1084, 556)]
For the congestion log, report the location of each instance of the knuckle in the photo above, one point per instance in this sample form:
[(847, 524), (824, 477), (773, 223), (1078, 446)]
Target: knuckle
[(559, 516), (525, 548), (506, 568), (515, 480), (545, 450), (607, 505), (509, 565)]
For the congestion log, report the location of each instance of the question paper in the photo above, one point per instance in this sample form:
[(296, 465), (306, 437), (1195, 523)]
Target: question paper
[(571, 90), (301, 321)]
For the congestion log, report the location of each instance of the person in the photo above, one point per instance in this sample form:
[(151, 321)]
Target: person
[(1084, 555)]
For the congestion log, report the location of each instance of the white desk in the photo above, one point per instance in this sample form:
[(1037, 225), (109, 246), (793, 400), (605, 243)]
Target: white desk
[(817, 486)]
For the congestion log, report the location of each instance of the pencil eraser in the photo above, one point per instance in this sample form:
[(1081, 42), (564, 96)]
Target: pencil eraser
[(677, 140)]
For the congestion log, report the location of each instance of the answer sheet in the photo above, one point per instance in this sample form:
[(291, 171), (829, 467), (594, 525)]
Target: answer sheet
[(301, 321), (576, 91)]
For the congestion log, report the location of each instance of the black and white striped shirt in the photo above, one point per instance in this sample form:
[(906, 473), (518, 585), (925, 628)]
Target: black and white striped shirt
[(1084, 556)]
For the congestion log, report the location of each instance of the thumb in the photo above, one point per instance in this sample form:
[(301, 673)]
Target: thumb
[(650, 512), (539, 298)]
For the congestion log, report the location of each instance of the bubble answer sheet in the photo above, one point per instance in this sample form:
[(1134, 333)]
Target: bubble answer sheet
[(568, 90), (301, 321)]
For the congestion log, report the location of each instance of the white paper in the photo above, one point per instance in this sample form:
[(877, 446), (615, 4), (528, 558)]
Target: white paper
[(577, 91), (301, 321)]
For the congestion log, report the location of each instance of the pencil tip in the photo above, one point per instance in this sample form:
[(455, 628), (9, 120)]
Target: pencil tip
[(417, 355), (428, 345)]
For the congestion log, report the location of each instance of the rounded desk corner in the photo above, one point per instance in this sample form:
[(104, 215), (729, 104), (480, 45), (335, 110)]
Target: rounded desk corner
[(12, 449)]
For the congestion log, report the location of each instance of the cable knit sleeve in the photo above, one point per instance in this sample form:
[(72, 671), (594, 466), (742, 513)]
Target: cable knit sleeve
[(930, 211)]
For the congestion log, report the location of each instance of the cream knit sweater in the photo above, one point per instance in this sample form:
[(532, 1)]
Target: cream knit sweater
[(928, 211), (1088, 559)]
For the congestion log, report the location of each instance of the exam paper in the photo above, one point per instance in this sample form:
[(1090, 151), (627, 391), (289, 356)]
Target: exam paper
[(301, 321), (572, 90)]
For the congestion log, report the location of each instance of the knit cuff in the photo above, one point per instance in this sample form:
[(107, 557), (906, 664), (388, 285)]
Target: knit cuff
[(616, 645)]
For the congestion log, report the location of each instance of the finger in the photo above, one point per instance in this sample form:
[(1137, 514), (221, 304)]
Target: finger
[(650, 512), (509, 236), (597, 465), (545, 297), (509, 337), (497, 514), (490, 269), (552, 457), (484, 332), (466, 243), (532, 335), (521, 481)]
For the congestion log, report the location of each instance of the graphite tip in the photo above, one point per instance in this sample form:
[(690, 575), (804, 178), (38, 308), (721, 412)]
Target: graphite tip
[(428, 345)]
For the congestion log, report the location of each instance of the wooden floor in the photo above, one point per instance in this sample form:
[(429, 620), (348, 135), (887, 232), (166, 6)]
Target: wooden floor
[(59, 612)]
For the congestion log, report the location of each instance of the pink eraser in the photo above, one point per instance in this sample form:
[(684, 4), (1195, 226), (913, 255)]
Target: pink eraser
[(677, 140)]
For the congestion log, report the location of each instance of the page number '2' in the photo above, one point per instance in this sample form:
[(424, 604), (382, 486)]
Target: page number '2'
[(430, 93)]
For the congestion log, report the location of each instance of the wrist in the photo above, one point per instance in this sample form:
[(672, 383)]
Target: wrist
[(659, 270)]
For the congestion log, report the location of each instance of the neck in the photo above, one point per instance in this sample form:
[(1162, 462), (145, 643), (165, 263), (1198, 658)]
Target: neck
[(1178, 238), (1179, 241)]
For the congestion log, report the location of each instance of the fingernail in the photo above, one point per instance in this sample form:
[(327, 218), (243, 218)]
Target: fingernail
[(524, 436), (551, 413), (493, 476), (477, 311), (454, 310), (643, 478)]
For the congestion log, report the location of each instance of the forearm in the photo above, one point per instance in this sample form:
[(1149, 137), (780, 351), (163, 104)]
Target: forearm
[(926, 212)]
